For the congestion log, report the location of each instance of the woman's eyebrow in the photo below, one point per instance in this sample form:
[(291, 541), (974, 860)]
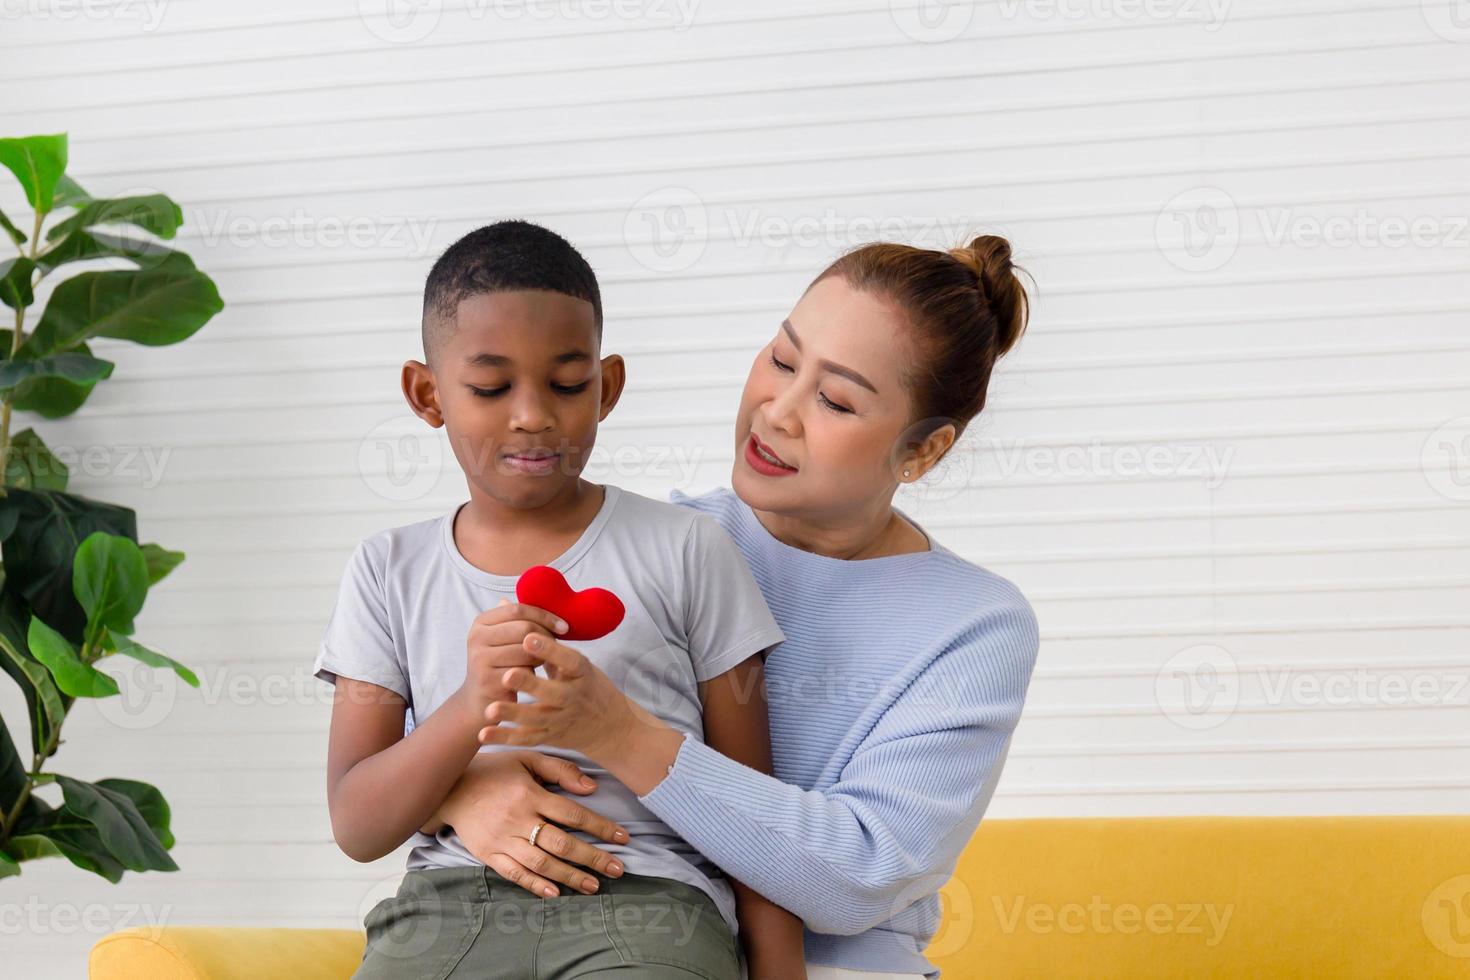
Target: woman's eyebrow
[(846, 372)]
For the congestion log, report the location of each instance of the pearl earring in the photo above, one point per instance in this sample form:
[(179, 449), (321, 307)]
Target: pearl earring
[(905, 472)]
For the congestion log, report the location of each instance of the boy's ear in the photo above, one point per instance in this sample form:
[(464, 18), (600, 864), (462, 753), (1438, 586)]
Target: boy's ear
[(614, 376), (421, 392)]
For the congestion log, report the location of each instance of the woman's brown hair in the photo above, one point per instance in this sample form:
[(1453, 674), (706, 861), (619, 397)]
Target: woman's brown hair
[(966, 307)]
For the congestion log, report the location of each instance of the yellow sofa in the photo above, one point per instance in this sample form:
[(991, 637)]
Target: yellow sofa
[(1133, 898)]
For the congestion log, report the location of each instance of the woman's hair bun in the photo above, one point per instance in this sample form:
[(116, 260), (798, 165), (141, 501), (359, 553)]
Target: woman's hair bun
[(989, 258)]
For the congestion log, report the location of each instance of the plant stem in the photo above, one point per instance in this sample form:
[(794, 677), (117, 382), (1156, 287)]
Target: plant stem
[(8, 820), (15, 341)]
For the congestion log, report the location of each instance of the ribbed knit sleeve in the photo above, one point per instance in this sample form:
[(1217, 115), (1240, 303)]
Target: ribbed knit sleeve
[(891, 825)]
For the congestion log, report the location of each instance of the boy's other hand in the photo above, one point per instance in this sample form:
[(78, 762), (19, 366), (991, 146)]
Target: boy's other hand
[(495, 643), (498, 802)]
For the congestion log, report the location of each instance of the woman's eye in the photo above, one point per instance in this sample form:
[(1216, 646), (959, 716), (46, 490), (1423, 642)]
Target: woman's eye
[(779, 365), (834, 406)]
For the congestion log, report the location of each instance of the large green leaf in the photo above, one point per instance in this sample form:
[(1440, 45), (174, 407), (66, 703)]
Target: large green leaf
[(79, 369), (68, 194), (80, 843), (28, 847), (73, 675), (15, 234), (111, 580), (156, 306), (161, 561), (150, 803), (12, 770), (123, 830), (129, 648), (153, 212), (8, 865), (48, 711), (15, 619), (52, 397), (38, 163), (31, 466), (84, 244), (15, 282), (39, 552)]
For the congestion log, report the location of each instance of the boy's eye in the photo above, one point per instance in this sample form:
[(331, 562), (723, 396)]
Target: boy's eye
[(496, 392)]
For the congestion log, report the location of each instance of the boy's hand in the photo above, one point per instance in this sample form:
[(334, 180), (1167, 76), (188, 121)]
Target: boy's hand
[(495, 643)]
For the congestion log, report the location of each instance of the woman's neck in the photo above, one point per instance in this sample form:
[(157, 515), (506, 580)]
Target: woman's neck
[(853, 537)]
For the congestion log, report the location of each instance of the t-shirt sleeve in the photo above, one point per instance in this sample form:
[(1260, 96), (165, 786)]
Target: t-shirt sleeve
[(726, 617), (358, 641)]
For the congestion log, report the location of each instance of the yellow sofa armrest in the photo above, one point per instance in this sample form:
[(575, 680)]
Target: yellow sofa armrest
[(225, 953)]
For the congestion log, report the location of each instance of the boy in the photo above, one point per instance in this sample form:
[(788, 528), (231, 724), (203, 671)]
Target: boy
[(426, 626)]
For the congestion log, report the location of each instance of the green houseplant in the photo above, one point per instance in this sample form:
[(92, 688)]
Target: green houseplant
[(74, 574)]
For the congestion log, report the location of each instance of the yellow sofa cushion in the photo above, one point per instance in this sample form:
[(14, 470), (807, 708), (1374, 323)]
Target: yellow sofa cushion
[(1135, 898), (1201, 897), (226, 953)]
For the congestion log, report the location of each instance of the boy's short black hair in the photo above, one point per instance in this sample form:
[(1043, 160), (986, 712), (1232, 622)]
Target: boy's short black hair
[(500, 257)]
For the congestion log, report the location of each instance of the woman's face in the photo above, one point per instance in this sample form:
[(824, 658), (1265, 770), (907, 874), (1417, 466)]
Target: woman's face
[(827, 397)]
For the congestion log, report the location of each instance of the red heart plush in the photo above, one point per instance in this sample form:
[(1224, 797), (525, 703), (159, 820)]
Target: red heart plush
[(590, 613)]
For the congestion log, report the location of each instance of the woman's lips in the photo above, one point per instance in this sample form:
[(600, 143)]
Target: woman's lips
[(762, 465)]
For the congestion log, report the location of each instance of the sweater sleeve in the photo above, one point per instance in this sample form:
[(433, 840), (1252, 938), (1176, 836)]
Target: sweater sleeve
[(890, 828)]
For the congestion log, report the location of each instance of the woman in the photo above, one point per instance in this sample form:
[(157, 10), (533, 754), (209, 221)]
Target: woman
[(893, 698)]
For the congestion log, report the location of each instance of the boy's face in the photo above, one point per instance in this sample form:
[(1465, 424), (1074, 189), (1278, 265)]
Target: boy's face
[(520, 375)]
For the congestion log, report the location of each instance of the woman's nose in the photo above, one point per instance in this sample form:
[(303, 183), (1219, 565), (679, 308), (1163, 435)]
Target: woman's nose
[(781, 412)]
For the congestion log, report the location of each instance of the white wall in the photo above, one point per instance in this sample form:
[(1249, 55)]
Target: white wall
[(757, 140)]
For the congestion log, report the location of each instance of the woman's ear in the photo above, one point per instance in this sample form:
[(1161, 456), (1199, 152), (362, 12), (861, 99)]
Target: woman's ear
[(614, 376), (935, 446), (421, 392)]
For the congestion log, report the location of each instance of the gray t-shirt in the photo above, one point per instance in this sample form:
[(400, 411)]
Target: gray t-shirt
[(694, 611)]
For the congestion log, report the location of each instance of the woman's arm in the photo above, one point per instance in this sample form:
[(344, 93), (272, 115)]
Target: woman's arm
[(885, 833)]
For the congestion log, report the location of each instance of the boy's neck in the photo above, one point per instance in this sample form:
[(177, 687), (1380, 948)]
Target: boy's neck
[(505, 540)]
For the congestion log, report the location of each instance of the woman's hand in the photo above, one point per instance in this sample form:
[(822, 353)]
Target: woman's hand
[(577, 706), (500, 799)]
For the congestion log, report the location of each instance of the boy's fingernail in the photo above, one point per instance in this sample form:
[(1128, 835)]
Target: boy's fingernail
[(561, 626)]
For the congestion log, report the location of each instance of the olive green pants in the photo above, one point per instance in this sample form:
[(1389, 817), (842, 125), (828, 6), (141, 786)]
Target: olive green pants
[(471, 924)]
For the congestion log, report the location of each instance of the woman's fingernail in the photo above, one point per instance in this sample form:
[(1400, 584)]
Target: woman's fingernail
[(615, 868), (561, 626), (589, 886), (549, 892), (621, 836), (586, 783)]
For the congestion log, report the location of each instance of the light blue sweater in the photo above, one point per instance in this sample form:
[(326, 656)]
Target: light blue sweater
[(892, 704)]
